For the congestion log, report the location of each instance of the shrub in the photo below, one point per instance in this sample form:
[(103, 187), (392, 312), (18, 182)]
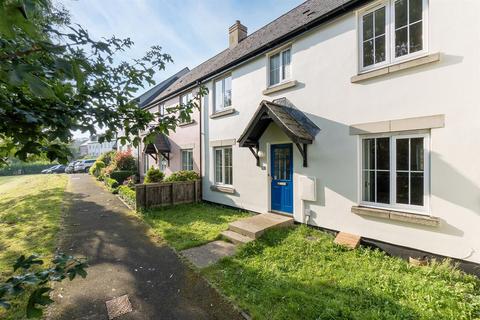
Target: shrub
[(121, 175), (183, 175), (107, 157), (125, 161), (111, 184), (127, 194), (154, 175), (96, 168)]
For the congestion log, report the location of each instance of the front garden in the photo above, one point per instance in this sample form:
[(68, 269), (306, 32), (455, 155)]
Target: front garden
[(30, 216)]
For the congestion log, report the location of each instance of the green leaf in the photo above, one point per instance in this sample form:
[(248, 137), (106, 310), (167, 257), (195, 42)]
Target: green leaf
[(38, 297), (39, 87)]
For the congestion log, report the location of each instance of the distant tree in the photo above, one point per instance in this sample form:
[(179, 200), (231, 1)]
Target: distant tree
[(54, 78)]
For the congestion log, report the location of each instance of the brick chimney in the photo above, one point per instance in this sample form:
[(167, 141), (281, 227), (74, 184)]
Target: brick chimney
[(236, 33)]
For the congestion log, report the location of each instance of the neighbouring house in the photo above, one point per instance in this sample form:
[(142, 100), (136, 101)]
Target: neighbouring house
[(350, 115), (94, 148)]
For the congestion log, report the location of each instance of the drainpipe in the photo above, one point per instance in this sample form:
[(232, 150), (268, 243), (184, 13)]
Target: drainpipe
[(200, 131)]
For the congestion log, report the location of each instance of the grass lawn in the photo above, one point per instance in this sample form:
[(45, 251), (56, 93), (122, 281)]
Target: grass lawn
[(298, 273), (30, 208), (191, 225)]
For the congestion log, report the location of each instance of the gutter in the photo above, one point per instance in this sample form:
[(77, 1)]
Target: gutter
[(353, 4)]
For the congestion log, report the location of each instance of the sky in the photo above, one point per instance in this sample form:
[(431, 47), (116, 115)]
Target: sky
[(191, 31)]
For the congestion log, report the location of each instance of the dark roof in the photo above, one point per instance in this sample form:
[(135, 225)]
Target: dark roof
[(148, 96), (292, 121), (300, 19), (159, 145)]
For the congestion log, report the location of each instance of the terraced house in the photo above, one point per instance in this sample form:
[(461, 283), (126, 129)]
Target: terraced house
[(356, 116)]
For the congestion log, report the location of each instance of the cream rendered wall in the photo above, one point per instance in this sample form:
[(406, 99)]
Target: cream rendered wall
[(323, 62), (184, 137)]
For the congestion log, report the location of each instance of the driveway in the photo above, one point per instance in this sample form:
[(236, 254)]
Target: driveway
[(125, 261)]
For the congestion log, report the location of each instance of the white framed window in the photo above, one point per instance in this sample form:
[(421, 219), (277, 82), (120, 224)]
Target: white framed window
[(223, 93), (391, 31), (184, 99), (279, 67), (161, 109), (187, 159), (223, 165), (395, 171), (163, 163)]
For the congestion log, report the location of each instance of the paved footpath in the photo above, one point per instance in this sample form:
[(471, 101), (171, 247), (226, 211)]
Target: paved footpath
[(125, 261)]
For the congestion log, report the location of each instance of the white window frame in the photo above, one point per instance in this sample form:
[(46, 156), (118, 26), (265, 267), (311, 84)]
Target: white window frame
[(161, 161), (161, 109), (389, 35), (279, 51), (221, 79), (190, 151), (221, 183), (187, 96), (393, 205)]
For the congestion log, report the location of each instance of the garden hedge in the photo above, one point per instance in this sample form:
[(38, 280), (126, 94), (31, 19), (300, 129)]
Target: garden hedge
[(121, 175)]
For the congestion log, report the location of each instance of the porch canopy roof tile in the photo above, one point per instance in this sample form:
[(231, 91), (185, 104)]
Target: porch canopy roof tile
[(159, 145), (293, 122), (286, 119)]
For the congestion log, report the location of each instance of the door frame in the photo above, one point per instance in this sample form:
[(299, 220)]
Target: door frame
[(270, 178)]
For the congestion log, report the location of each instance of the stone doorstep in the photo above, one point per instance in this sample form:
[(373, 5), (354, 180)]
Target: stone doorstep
[(209, 253), (255, 226), (235, 237)]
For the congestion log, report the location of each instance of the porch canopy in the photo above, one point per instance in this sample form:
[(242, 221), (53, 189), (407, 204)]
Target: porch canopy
[(293, 122), (160, 145)]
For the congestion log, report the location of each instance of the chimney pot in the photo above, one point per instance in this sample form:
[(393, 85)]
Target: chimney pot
[(236, 33)]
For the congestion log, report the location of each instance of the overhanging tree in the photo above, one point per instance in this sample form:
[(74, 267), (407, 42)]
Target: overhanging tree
[(54, 78)]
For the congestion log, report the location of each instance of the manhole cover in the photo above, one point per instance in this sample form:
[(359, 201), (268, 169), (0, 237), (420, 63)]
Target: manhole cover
[(118, 306)]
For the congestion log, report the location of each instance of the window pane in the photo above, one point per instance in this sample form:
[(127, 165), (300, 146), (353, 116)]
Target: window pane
[(288, 173), (401, 42), (402, 154), (379, 22), (400, 13), (286, 64), (383, 186), (228, 92), (275, 69), (228, 166), (369, 186), (368, 53), (416, 188), (416, 154), (402, 187), (218, 95), (415, 10), (218, 166), (367, 26), (368, 154), (416, 37), (383, 153), (380, 49)]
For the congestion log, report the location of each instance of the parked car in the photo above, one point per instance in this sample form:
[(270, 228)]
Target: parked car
[(83, 165), (70, 167), (59, 168)]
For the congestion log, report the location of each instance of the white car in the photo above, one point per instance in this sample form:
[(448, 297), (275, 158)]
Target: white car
[(83, 165)]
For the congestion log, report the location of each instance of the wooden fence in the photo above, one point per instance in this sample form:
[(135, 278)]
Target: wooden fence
[(153, 195)]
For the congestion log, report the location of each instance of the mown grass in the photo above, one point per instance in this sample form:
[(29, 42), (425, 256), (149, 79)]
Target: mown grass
[(298, 273), (191, 225), (30, 212)]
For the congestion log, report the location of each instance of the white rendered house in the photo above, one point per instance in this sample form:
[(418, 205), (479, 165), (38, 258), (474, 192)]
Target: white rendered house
[(355, 116)]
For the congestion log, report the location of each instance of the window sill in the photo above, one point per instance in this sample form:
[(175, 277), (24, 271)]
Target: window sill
[(222, 113), (186, 123), (434, 57), (397, 216), (280, 87), (223, 189)]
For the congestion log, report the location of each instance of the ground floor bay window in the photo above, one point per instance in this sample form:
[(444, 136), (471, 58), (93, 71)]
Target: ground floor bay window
[(395, 171), (223, 166)]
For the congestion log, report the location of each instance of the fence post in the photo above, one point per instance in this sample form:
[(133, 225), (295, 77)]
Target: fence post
[(140, 196)]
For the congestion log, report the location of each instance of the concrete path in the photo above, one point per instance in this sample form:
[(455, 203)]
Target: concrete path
[(210, 253), (124, 261)]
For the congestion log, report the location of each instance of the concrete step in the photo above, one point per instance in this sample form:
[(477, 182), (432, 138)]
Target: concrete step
[(236, 238), (255, 226)]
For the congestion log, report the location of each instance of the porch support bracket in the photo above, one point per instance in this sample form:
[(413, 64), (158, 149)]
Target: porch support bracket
[(303, 151), (254, 151)]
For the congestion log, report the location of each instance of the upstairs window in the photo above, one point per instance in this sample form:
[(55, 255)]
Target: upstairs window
[(223, 93), (279, 67), (184, 99), (161, 110), (390, 31)]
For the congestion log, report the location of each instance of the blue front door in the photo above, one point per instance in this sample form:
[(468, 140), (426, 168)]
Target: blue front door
[(282, 177)]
